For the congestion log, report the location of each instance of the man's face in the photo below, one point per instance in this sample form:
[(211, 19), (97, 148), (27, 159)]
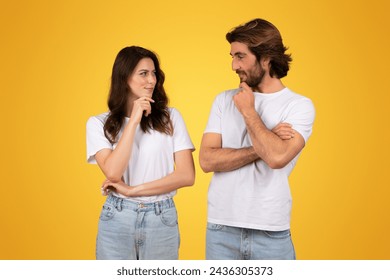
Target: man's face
[(246, 65)]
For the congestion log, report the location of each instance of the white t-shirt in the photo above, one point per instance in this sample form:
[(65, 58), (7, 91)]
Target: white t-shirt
[(152, 156), (255, 196)]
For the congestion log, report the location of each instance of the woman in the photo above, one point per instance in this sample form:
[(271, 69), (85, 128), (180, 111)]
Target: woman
[(145, 152)]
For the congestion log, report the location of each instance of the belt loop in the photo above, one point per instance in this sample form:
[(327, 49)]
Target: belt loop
[(118, 204), (170, 202), (157, 208)]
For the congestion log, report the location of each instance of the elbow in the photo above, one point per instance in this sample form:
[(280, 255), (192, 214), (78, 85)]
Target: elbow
[(208, 159), (274, 161), (205, 166), (113, 177), (191, 182), (186, 179), (277, 163), (190, 179)]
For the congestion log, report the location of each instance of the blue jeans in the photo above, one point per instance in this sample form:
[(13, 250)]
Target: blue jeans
[(233, 243), (137, 231)]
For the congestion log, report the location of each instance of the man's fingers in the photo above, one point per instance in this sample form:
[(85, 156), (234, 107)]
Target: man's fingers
[(244, 85)]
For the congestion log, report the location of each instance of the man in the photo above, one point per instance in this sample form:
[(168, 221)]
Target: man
[(249, 200)]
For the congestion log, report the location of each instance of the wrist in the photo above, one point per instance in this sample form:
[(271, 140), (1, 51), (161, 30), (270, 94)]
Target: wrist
[(250, 114), (129, 191), (252, 153), (133, 123)]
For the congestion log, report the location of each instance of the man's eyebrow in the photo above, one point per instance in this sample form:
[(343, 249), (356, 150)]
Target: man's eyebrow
[(238, 54)]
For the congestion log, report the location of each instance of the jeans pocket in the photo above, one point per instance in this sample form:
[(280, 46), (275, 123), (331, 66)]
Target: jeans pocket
[(214, 227), (278, 234), (107, 213), (169, 217)]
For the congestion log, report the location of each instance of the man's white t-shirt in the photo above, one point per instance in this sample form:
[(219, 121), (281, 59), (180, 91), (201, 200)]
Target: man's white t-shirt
[(255, 195), (152, 154)]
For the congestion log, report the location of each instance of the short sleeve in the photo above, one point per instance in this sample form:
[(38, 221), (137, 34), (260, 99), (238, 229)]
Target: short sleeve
[(181, 138), (215, 117), (96, 140), (301, 117)]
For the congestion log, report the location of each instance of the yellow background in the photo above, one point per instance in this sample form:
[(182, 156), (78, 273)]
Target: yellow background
[(55, 63)]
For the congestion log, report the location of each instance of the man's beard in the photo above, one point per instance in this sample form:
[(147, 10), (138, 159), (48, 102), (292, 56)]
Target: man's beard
[(254, 77)]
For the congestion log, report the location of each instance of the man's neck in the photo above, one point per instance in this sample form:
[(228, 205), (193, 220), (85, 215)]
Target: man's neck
[(269, 85)]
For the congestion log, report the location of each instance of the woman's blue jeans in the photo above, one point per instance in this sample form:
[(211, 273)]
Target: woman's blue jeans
[(137, 231)]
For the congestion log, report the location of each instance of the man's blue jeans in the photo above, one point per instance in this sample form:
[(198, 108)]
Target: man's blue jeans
[(233, 243)]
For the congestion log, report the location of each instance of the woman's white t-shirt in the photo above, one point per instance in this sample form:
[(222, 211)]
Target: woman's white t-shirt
[(152, 154)]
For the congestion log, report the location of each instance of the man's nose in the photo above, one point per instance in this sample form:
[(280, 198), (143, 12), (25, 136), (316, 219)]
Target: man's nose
[(235, 65)]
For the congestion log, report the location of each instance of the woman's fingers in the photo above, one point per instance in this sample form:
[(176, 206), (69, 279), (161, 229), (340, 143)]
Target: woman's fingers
[(143, 104), (107, 187)]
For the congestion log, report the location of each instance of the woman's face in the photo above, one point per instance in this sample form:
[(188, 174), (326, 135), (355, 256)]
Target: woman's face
[(143, 79)]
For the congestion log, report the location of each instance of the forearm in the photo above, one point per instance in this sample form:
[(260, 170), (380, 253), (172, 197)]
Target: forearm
[(183, 175), (171, 182), (226, 159), (270, 147), (267, 145)]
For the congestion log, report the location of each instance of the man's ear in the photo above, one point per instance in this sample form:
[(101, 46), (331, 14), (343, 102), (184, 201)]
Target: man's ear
[(265, 62)]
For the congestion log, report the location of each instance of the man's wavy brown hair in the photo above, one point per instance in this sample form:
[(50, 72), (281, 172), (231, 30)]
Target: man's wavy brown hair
[(264, 41)]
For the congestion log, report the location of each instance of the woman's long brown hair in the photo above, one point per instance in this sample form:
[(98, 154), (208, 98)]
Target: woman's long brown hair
[(124, 65)]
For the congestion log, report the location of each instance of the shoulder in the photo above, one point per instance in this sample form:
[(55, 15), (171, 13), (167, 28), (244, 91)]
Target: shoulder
[(97, 120), (228, 93), (174, 114), (299, 109), (176, 118), (173, 111), (226, 96), (297, 99)]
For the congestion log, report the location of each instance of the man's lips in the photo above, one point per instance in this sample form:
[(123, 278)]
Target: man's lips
[(241, 75)]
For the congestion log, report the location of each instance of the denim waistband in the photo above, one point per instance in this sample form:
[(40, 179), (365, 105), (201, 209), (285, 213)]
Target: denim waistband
[(158, 206)]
